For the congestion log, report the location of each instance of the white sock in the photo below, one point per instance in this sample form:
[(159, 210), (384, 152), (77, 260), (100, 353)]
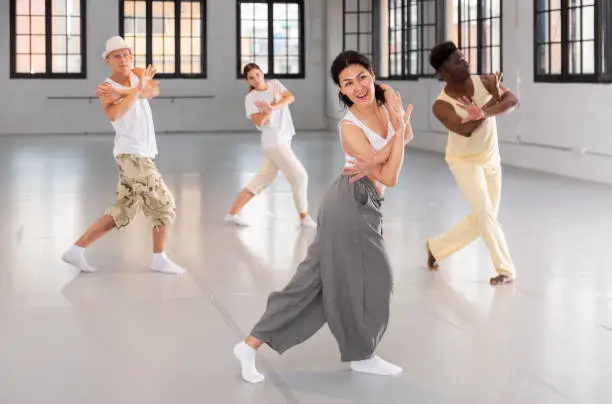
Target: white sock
[(161, 263), (376, 366), (75, 255), (246, 356), (159, 257), (236, 219)]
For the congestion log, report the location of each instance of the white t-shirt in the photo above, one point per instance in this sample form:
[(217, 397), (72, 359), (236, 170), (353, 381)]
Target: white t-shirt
[(279, 127), (134, 131)]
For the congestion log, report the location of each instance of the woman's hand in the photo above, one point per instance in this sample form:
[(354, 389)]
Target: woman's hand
[(277, 93), (264, 107), (408, 112), (410, 135), (360, 167), (399, 116), (393, 100)]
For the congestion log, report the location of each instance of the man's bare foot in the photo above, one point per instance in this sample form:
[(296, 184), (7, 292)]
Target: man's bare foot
[(501, 280), (432, 264)]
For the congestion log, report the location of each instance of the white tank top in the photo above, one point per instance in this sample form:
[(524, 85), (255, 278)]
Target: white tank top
[(480, 148), (377, 141), (134, 131)]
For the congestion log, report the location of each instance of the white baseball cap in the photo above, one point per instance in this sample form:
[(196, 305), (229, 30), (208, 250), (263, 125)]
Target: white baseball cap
[(116, 43)]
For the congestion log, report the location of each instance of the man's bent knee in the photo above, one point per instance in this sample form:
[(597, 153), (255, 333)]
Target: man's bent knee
[(163, 211), (121, 216)]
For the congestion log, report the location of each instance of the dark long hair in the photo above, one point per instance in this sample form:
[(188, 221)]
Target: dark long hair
[(344, 60), (247, 69)]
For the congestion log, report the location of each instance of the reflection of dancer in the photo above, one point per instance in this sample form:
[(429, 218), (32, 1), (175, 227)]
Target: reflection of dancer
[(345, 279), (302, 242), (124, 98), (467, 107), (267, 104), (253, 260)]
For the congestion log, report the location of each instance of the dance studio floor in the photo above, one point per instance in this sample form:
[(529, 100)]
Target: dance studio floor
[(126, 335)]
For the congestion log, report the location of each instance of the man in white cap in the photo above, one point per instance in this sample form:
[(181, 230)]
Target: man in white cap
[(141, 187)]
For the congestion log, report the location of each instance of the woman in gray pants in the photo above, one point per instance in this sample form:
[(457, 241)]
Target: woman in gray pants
[(345, 279)]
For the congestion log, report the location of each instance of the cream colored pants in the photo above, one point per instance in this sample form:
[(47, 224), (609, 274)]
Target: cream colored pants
[(480, 185), (282, 158)]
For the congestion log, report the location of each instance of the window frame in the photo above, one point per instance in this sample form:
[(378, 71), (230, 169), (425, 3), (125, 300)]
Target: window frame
[(406, 29), (371, 34), (177, 38), (479, 34), (302, 39), (606, 19), (603, 21), (48, 44)]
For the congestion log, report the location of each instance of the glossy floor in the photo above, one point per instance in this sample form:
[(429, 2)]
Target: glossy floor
[(126, 335)]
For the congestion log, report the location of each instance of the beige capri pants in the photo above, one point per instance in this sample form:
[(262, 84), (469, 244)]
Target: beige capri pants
[(282, 158)]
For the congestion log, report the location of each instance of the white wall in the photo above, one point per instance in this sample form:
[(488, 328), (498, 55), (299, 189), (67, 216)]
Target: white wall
[(24, 107), (559, 128)]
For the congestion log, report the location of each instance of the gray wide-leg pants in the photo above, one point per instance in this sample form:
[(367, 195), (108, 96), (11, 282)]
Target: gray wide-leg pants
[(344, 281)]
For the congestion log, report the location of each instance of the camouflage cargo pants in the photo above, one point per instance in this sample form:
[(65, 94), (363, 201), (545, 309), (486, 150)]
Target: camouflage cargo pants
[(141, 187)]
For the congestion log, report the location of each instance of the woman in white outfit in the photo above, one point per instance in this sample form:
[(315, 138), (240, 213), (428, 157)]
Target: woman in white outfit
[(267, 105)]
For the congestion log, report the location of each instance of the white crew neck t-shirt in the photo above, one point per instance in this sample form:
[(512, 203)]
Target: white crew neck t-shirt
[(134, 131), (279, 127)]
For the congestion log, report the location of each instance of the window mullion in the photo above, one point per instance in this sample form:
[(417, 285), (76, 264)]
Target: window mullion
[(48, 37), (599, 25), (13, 11), (550, 41), (358, 25), (404, 44), (343, 24), (271, 37), (606, 31), (459, 33), (177, 38), (480, 65), (421, 44), (564, 39), (149, 33), (389, 39), (407, 38), (375, 35)]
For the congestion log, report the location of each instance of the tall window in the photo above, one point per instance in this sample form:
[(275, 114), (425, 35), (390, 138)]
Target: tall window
[(271, 34), (477, 30), (398, 20), (48, 39), (411, 35), (169, 34), (573, 41), (357, 26)]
